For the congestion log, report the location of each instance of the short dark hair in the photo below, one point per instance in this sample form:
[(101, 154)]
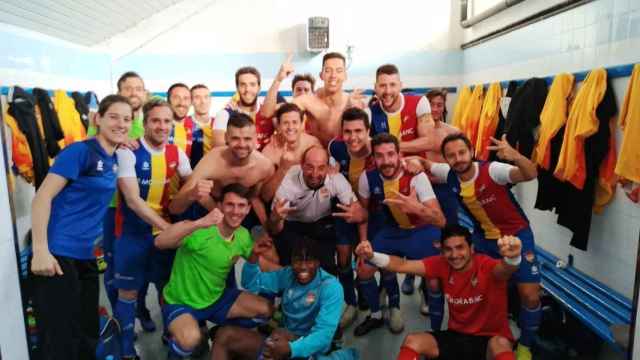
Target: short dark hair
[(287, 108), (434, 93), (333, 55), (305, 247), (385, 138), (453, 137), (355, 114), (239, 120), (152, 104), (199, 86), (247, 70), (238, 189), (106, 103), (127, 75), (451, 230), (314, 147), (387, 69), (303, 77), (175, 86)]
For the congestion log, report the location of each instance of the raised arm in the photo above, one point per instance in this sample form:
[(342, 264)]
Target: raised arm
[(392, 263), (525, 169), (172, 236), (270, 104), (510, 248)]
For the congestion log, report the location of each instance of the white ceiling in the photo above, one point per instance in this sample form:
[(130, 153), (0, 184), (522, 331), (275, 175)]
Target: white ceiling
[(84, 22)]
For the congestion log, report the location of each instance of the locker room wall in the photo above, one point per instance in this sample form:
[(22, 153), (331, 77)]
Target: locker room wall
[(600, 33)]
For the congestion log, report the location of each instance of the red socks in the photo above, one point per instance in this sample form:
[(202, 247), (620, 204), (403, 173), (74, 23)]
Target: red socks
[(407, 353), (507, 355)]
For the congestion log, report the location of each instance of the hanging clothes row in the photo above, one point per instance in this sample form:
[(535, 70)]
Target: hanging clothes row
[(40, 126), (573, 142)]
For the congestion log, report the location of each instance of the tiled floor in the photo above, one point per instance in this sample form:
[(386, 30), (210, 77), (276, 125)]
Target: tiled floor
[(380, 344)]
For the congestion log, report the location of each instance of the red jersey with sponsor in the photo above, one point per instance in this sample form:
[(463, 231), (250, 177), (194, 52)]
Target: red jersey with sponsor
[(477, 300)]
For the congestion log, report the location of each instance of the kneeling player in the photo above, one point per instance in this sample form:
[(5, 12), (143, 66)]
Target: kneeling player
[(475, 286), (311, 304), (208, 249)]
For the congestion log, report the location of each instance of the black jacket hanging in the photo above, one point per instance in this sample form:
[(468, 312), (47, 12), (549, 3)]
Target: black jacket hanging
[(82, 108), (22, 108), (511, 90), (50, 122), (523, 117), (575, 212)]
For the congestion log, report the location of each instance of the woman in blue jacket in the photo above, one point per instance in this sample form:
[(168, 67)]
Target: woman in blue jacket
[(66, 215)]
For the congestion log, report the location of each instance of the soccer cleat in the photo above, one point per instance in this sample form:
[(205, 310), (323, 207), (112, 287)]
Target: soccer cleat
[(396, 322), (367, 325), (407, 287)]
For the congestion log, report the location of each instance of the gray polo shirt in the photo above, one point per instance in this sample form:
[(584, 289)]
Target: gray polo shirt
[(312, 205)]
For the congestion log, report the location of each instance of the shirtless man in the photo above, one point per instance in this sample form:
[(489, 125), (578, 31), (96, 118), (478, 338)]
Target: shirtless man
[(238, 162), (439, 129), (325, 107), (287, 149)]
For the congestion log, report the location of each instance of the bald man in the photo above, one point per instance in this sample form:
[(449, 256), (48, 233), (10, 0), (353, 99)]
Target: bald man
[(303, 206)]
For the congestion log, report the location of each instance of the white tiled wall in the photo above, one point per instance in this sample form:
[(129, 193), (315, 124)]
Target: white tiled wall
[(600, 33)]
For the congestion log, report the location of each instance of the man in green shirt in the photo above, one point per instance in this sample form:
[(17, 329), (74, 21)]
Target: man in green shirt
[(207, 251)]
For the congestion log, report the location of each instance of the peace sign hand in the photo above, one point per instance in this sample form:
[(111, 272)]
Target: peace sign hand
[(408, 204), (286, 68), (504, 150)]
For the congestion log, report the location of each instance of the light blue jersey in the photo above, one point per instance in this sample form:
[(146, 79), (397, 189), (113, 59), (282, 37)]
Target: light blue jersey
[(311, 311)]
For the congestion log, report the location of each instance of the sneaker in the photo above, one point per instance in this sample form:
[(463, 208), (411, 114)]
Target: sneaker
[(349, 314), (407, 286), (396, 323), (424, 307), (523, 352), (367, 325), (148, 325)]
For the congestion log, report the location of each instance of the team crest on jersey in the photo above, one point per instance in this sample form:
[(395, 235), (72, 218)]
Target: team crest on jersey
[(534, 270), (324, 192), (530, 256), (310, 298), (99, 166), (474, 280), (145, 166), (377, 190)]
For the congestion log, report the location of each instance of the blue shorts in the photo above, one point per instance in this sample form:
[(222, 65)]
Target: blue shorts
[(132, 260), (414, 244), (449, 202), (346, 233), (159, 270), (529, 271), (216, 312)]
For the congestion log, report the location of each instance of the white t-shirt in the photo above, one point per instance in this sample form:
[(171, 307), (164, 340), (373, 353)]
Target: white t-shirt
[(312, 205), (420, 182), (499, 172), (127, 161)]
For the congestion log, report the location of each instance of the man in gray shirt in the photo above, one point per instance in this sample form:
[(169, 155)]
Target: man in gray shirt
[(304, 204)]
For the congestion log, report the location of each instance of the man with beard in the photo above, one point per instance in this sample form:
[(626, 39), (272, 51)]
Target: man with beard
[(475, 286), (144, 175), (484, 190), (248, 88), (238, 162), (207, 251), (352, 154), (131, 86), (287, 148), (309, 325), (404, 219), (302, 206), (187, 134), (404, 116)]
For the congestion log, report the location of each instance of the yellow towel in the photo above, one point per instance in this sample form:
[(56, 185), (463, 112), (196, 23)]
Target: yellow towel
[(471, 115), (581, 123), (607, 179), (628, 167), (489, 118), (553, 117), (461, 105), (69, 119)]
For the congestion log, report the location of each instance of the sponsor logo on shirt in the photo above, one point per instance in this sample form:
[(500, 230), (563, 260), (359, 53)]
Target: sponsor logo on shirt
[(377, 190), (310, 298), (488, 200), (406, 132), (145, 166), (173, 164), (100, 166), (464, 300)]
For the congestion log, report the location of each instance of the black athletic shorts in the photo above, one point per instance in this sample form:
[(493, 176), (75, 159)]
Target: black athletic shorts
[(457, 346)]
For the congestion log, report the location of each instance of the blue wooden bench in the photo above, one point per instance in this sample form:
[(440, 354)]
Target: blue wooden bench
[(593, 303)]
